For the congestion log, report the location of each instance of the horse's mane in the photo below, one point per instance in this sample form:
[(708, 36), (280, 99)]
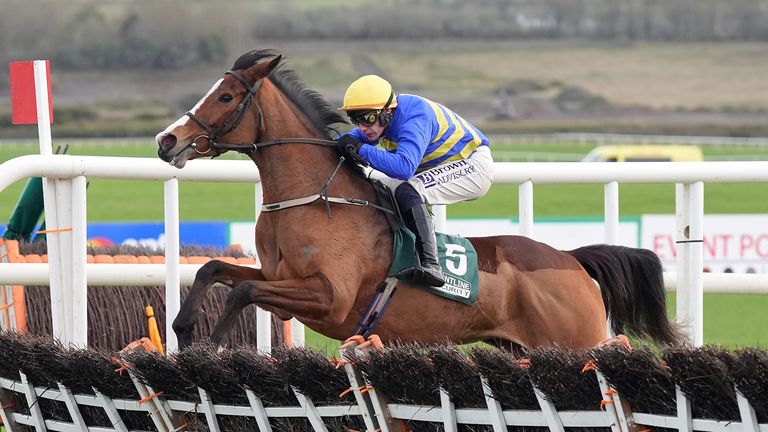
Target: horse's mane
[(322, 115)]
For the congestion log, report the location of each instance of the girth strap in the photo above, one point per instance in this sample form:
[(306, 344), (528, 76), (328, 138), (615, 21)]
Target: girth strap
[(312, 198)]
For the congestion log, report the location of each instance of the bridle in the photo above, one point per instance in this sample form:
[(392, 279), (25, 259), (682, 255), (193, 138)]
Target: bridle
[(233, 121)]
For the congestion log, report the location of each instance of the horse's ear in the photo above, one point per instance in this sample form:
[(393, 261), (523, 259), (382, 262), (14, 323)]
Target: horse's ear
[(261, 70), (273, 63)]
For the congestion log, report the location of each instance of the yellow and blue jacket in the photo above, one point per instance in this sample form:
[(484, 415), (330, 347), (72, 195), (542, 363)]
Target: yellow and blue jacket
[(422, 134)]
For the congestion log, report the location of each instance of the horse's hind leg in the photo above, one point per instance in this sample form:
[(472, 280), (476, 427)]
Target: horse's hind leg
[(311, 297), (212, 272)]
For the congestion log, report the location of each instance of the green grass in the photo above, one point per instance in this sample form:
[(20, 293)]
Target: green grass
[(732, 320)]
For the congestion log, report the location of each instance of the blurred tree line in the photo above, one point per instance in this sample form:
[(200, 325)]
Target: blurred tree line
[(99, 34), (167, 34)]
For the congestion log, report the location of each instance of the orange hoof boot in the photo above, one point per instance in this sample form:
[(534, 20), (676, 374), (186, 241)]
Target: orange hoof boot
[(353, 340), (619, 340), (143, 343), (375, 341)]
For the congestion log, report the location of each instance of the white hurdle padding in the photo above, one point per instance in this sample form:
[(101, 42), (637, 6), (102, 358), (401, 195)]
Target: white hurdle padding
[(257, 407), (747, 412), (72, 407), (110, 410), (312, 414), (34, 408), (449, 412), (550, 412), (684, 411), (209, 410), (150, 405), (494, 407)]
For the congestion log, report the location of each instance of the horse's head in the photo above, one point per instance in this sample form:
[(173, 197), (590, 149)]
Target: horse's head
[(228, 111)]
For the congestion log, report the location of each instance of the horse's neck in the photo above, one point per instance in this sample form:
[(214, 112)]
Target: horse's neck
[(290, 170)]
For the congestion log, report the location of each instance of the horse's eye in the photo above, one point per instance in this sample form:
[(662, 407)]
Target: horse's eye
[(226, 98)]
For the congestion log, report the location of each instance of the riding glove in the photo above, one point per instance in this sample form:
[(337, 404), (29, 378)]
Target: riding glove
[(349, 146)]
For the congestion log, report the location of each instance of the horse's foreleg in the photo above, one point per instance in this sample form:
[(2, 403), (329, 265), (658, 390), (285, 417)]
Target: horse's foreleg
[(212, 272), (311, 297)]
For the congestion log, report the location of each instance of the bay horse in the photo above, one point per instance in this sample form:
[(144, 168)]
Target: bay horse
[(322, 262)]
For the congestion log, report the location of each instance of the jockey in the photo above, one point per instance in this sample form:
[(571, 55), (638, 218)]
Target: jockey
[(429, 153)]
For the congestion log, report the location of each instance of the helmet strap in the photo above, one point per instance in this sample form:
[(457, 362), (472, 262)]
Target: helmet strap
[(384, 116)]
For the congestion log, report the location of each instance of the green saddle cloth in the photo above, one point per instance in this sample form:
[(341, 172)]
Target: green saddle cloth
[(458, 260)]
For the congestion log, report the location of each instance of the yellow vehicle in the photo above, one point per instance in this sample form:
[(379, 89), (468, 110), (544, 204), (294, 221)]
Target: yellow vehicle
[(645, 153)]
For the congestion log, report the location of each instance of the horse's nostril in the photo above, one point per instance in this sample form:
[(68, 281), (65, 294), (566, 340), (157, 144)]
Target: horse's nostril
[(167, 141)]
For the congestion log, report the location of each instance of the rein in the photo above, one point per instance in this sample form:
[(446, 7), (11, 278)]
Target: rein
[(233, 121)]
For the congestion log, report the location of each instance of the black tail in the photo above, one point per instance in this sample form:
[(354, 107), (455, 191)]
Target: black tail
[(632, 284)]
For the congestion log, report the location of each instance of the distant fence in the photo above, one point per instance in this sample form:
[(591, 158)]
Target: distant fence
[(606, 139), (563, 138)]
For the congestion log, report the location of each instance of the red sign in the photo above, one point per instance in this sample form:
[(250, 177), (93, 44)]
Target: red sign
[(23, 101)]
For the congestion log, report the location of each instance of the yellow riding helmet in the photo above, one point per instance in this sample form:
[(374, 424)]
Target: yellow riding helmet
[(369, 92)]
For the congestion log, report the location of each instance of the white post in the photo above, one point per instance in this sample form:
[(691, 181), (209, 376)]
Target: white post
[(525, 208), (43, 109), (172, 288), (439, 216), (49, 200), (611, 226), (79, 252), (611, 209), (63, 232), (681, 254), (297, 333), (263, 331), (696, 263), (263, 318)]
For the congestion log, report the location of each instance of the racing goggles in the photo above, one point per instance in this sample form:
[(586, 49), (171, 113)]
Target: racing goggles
[(368, 118)]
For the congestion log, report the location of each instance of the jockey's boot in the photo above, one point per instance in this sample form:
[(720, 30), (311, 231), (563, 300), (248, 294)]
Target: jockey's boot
[(428, 271)]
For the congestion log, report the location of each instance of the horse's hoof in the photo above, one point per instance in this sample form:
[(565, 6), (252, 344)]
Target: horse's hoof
[(374, 341), (619, 340), (143, 343), (353, 340)]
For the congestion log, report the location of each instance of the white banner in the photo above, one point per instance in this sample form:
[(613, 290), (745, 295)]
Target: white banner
[(732, 243)]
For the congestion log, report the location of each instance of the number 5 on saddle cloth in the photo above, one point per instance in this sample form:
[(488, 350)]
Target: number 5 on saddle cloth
[(457, 257)]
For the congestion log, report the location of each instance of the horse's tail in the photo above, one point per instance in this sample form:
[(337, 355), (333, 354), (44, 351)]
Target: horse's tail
[(632, 285)]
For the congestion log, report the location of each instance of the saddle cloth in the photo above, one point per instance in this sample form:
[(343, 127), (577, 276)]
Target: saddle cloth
[(457, 258)]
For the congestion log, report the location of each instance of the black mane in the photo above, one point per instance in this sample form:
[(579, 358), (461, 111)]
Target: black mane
[(322, 115)]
